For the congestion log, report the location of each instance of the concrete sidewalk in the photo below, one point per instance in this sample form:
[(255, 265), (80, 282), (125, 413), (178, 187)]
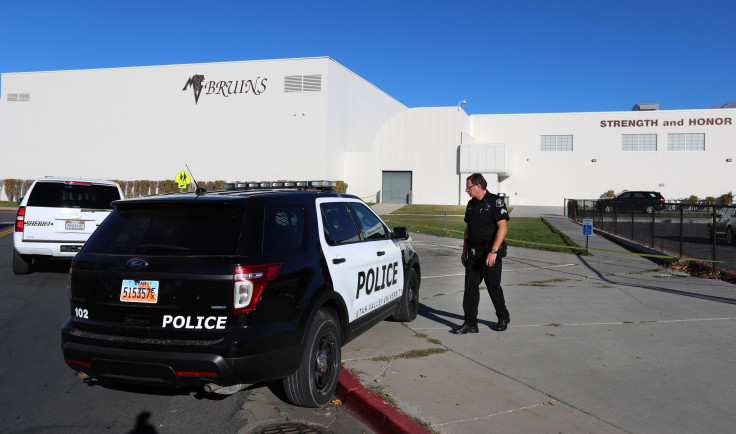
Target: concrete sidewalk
[(604, 343)]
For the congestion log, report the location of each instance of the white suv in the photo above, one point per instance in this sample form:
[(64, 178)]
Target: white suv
[(57, 215)]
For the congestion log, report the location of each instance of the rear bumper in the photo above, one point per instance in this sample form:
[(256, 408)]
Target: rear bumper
[(46, 248), (238, 358), (177, 369)]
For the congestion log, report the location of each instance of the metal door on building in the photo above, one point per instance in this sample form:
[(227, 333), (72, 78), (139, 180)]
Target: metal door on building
[(396, 187)]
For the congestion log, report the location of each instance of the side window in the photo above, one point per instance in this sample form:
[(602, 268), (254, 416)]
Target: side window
[(340, 225), (283, 228), (372, 227)]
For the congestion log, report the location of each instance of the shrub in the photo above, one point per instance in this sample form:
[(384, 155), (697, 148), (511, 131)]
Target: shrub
[(727, 198)]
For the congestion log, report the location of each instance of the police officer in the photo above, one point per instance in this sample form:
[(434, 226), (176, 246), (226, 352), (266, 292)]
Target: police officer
[(485, 217)]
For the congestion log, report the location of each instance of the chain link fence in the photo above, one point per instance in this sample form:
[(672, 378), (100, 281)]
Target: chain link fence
[(702, 232)]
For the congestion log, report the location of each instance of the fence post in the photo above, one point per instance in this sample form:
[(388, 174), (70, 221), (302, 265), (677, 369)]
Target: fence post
[(654, 212), (682, 228), (444, 225), (713, 231), (633, 228)]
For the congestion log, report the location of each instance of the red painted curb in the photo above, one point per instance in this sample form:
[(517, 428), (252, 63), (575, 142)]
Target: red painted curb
[(371, 409)]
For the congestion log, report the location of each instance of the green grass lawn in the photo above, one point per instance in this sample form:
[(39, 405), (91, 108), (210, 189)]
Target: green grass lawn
[(533, 232), (8, 204)]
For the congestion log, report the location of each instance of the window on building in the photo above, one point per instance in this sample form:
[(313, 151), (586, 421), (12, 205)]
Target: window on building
[(639, 142), (556, 144), (686, 142)]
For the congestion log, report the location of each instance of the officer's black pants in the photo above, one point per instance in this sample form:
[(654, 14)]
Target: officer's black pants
[(476, 271)]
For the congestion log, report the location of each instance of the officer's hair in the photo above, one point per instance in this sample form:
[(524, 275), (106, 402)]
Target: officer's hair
[(477, 178)]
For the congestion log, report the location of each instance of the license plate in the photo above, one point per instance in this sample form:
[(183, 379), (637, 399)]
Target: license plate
[(74, 226), (139, 291)]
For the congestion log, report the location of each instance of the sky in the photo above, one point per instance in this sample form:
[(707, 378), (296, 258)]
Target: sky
[(512, 56)]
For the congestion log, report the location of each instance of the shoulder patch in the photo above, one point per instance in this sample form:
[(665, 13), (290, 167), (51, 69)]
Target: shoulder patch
[(500, 203)]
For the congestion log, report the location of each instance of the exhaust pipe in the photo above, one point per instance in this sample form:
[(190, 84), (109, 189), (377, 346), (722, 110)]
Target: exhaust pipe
[(223, 390), (82, 375)]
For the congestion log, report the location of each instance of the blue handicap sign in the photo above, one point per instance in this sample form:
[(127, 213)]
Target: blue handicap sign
[(588, 227)]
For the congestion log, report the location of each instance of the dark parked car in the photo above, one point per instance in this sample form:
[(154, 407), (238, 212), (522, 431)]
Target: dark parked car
[(638, 201), (725, 224)]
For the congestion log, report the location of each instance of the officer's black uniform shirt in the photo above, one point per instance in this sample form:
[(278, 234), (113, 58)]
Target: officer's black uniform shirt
[(482, 216)]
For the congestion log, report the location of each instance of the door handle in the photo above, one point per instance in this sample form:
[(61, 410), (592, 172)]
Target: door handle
[(380, 253), (338, 260)]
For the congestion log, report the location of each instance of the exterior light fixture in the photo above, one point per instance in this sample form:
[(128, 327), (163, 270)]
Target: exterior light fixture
[(462, 101), (728, 160), (593, 160)]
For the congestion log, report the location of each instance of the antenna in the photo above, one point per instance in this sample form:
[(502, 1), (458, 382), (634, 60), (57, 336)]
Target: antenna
[(197, 190)]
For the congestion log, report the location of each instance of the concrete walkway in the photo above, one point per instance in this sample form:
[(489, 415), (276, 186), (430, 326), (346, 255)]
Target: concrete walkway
[(597, 344)]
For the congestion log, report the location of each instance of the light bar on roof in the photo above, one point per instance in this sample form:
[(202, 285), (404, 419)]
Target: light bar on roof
[(274, 185)]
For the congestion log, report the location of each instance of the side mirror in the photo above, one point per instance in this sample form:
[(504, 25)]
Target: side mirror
[(401, 233)]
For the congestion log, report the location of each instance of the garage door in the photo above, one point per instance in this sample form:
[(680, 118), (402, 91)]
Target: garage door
[(396, 187)]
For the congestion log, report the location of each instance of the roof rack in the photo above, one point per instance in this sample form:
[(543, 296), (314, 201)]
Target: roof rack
[(277, 185)]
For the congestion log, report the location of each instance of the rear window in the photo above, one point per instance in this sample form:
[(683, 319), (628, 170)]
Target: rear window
[(60, 195), (169, 229)]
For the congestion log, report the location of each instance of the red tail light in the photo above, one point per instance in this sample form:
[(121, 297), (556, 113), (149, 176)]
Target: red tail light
[(248, 285), (20, 219)]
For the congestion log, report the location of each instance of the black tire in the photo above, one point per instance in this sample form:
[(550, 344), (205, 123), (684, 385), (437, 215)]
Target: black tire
[(21, 263), (729, 236), (314, 382), (608, 209), (649, 209), (409, 304)]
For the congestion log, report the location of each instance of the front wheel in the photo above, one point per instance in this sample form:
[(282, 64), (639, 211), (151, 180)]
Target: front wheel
[(409, 304), (649, 209), (315, 380)]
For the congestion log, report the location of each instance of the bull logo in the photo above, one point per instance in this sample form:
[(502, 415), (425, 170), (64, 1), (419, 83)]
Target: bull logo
[(196, 83)]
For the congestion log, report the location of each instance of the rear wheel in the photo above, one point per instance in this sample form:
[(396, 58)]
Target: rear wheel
[(314, 382), (21, 263), (650, 209), (409, 305)]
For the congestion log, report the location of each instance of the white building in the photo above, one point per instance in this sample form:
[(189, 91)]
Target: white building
[(312, 118)]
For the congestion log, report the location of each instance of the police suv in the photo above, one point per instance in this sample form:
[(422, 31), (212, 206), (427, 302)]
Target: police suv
[(57, 215), (256, 282)]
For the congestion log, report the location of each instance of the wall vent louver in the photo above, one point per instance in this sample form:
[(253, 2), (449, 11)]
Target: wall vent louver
[(313, 83), (303, 83), (22, 97)]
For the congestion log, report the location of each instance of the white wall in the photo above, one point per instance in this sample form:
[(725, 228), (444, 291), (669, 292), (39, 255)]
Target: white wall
[(545, 178), (142, 123), (423, 141)]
